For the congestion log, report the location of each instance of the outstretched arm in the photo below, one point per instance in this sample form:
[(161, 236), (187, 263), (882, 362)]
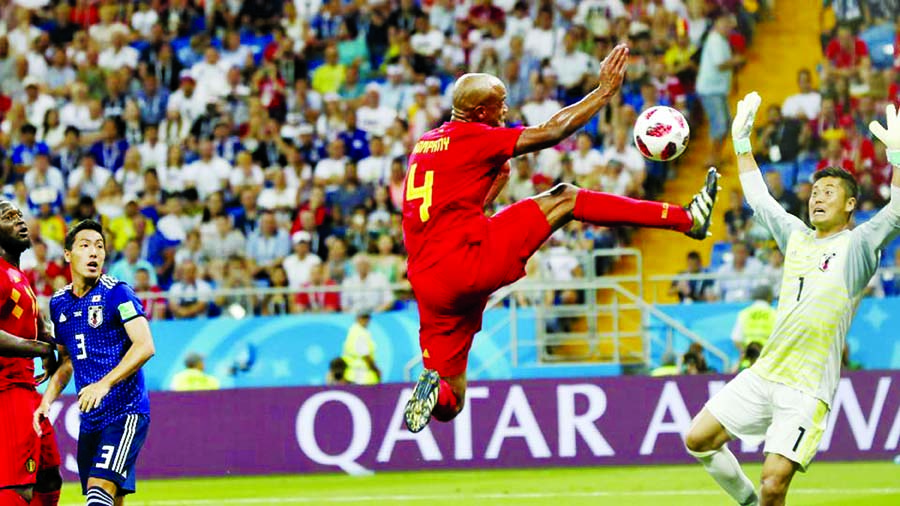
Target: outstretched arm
[(568, 120), (767, 210), (885, 225)]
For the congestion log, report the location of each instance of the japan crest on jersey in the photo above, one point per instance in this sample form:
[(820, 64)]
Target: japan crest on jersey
[(825, 262), (95, 316)]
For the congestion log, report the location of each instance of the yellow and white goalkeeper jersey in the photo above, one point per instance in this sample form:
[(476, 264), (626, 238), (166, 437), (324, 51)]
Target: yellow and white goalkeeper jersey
[(821, 287)]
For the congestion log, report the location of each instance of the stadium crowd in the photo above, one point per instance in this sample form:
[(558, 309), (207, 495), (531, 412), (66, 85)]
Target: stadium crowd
[(823, 123), (237, 144)]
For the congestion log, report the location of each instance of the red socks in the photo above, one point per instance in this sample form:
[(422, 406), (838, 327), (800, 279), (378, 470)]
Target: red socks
[(45, 498), (605, 209), (446, 397)]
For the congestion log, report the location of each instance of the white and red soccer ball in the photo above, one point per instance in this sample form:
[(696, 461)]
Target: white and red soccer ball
[(661, 133)]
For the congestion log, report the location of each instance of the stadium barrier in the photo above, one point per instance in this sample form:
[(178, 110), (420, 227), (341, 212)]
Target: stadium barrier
[(533, 423)]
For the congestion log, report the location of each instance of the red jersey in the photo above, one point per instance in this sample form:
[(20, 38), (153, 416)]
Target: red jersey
[(451, 170), (18, 316), (843, 58)]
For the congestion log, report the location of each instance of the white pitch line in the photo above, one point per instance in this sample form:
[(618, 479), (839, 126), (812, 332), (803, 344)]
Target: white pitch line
[(490, 496)]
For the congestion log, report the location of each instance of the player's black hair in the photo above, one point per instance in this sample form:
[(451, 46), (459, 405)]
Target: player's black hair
[(83, 225), (847, 179)]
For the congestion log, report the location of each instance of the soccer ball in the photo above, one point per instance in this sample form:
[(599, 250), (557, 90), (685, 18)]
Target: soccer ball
[(661, 133)]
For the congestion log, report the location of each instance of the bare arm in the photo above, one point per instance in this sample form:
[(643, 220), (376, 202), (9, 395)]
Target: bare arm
[(13, 346), (499, 183), (60, 379), (57, 384), (570, 119)]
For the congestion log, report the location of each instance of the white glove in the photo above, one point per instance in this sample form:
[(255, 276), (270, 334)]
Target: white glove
[(742, 126), (889, 136)]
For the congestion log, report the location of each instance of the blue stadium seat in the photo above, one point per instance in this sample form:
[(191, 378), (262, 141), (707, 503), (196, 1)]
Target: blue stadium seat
[(788, 171), (880, 41), (860, 217), (889, 252), (806, 169), (717, 256)]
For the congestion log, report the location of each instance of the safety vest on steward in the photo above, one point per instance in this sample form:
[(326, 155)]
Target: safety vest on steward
[(756, 322), (359, 344)]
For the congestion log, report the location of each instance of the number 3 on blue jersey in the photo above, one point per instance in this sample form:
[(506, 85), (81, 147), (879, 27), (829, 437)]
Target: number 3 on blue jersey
[(82, 351)]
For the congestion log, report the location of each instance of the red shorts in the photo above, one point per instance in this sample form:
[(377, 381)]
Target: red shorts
[(453, 293), (22, 453)]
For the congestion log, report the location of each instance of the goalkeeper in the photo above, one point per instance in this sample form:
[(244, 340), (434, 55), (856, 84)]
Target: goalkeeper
[(784, 398)]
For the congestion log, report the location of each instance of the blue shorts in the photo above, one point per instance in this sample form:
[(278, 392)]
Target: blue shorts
[(716, 109), (110, 453)]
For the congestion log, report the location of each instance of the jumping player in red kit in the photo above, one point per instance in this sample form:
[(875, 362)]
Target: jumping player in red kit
[(458, 256), (29, 464)]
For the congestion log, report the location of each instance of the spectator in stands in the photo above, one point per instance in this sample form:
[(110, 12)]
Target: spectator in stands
[(774, 269), (154, 306), (268, 245), (317, 300), (806, 103), (282, 302), (717, 64), (386, 261), (692, 290), (299, 264), (124, 227), (846, 55), (45, 274), (23, 154), (194, 377), (782, 139), (364, 289), (624, 151), (738, 277), (125, 269), (189, 296), (191, 249), (785, 197), (737, 216), (109, 152), (359, 352), (237, 277)]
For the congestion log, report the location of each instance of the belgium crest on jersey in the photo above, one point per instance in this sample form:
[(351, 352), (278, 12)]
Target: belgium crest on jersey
[(95, 316)]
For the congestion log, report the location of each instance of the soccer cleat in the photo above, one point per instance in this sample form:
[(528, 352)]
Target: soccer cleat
[(701, 206), (423, 400)]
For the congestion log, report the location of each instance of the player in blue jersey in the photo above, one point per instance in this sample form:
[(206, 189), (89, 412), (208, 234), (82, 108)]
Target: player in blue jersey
[(103, 337)]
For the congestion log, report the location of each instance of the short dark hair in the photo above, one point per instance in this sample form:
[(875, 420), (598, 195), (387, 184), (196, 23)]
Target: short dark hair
[(693, 255), (83, 225), (71, 129), (847, 179), (28, 128)]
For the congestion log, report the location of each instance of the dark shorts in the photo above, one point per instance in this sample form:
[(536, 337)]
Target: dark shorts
[(452, 294), (110, 453), (22, 453)]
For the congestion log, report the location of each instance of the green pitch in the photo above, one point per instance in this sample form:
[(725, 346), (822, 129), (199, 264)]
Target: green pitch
[(871, 484)]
